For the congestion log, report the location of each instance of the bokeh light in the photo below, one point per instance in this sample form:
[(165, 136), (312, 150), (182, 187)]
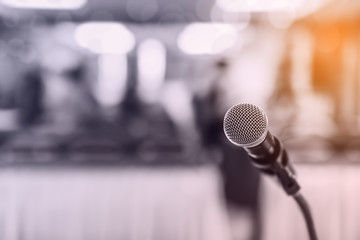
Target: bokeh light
[(207, 39), (111, 82), (45, 4), (105, 37), (151, 67), (281, 19)]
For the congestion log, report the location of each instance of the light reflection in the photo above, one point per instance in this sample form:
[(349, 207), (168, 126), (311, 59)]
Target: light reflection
[(207, 39), (176, 99), (111, 82), (105, 37), (281, 19), (240, 20), (301, 7), (152, 67), (45, 4)]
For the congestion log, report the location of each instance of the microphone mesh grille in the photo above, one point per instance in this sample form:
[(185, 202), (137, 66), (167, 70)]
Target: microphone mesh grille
[(245, 124)]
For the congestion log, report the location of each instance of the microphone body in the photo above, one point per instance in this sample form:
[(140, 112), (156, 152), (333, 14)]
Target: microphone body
[(266, 152)]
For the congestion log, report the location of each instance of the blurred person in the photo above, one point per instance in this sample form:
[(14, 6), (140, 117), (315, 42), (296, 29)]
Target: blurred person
[(20, 83), (29, 96), (54, 101), (67, 99), (241, 179)]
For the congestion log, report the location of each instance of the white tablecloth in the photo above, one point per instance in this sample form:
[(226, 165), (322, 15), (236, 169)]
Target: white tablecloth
[(333, 192), (126, 203)]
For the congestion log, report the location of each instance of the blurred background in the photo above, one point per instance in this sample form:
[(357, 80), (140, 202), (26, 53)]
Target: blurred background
[(111, 118)]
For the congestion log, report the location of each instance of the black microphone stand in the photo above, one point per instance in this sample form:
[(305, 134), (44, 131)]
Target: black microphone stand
[(304, 207), (285, 173)]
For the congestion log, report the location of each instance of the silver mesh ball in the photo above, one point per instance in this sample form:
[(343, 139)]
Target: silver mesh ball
[(245, 125)]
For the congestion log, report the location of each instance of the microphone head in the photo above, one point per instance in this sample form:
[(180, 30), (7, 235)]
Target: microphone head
[(245, 125)]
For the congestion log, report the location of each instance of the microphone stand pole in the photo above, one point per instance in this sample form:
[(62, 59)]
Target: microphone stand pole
[(305, 210), (284, 173)]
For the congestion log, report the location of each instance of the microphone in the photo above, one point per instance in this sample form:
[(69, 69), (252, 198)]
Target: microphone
[(246, 125)]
